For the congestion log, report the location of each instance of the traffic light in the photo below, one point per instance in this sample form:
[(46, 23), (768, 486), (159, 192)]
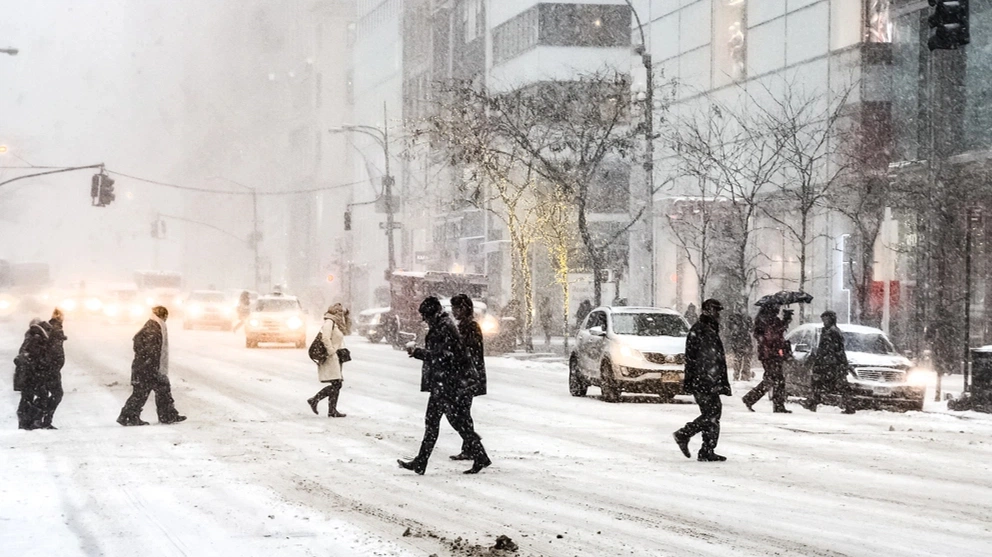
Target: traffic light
[(102, 190), (347, 220), (107, 191), (950, 24)]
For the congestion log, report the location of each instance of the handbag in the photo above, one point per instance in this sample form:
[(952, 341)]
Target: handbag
[(344, 355), (318, 352)]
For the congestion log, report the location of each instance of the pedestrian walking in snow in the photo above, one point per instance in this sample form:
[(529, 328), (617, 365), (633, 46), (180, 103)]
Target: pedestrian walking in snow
[(773, 351), (585, 308), (690, 314), (546, 317), (464, 313), (740, 343), (244, 309), (829, 366), (447, 375), (337, 325), (50, 392), (706, 379), (150, 372), (29, 371)]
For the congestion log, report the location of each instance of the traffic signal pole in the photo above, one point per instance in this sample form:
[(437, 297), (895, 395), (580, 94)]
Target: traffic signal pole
[(69, 169)]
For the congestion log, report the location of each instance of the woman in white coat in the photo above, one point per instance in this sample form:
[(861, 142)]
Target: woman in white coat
[(337, 325)]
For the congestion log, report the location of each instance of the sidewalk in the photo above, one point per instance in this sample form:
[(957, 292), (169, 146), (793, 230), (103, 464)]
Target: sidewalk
[(556, 352)]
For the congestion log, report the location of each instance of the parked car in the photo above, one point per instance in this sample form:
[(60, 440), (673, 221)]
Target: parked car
[(880, 375), (368, 323), (276, 318), (629, 349), (208, 308)]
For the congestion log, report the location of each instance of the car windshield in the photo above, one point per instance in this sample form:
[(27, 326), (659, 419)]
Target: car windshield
[(212, 297), (276, 304), (871, 343), (649, 325)]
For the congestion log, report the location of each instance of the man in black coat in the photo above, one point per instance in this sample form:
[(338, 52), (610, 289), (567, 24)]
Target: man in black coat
[(31, 365), (150, 372), (446, 375), (829, 366), (706, 379), (50, 391), (464, 312)]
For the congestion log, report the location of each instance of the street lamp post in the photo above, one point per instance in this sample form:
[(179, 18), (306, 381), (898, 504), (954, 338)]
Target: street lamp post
[(647, 62), (255, 234), (381, 136)]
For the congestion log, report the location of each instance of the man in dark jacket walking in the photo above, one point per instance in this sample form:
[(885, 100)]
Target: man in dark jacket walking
[(31, 364), (464, 312), (50, 391), (150, 372), (830, 366), (773, 350), (706, 379), (740, 343), (446, 375)]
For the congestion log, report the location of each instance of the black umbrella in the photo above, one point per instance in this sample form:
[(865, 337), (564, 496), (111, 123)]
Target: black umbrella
[(784, 298)]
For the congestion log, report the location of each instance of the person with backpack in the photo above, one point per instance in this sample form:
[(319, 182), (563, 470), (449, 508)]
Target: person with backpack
[(50, 391), (327, 350)]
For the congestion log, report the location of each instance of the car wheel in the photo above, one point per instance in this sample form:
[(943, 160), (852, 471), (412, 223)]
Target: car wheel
[(608, 384), (251, 343), (576, 383)]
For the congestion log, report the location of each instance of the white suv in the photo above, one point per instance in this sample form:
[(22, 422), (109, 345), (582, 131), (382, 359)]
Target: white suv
[(629, 349)]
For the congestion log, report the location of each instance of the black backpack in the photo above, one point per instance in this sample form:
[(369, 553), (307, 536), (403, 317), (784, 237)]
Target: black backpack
[(318, 352)]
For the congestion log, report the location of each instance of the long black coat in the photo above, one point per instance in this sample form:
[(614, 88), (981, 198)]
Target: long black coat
[(770, 331), (829, 362), (33, 359), (147, 353), (472, 338), (446, 369), (56, 350), (705, 359)]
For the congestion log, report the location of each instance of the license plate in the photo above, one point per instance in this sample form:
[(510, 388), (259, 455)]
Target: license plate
[(881, 391)]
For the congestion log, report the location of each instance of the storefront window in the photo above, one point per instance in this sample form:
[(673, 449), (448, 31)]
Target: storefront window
[(729, 41)]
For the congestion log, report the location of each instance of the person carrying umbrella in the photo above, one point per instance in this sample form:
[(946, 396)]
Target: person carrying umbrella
[(773, 351)]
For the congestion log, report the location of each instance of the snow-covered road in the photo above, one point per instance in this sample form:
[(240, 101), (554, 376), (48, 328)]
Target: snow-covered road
[(254, 472)]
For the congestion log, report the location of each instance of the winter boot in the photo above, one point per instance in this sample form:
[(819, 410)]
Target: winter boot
[(682, 440), (413, 466), (332, 403)]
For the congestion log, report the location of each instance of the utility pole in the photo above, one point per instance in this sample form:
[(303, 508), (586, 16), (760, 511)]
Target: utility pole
[(648, 164), (381, 136)]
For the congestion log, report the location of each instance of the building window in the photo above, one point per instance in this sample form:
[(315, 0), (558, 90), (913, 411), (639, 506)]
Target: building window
[(879, 24), (729, 41), (473, 19), (593, 25)]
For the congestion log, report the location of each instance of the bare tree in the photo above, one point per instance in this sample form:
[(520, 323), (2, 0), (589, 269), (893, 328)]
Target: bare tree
[(556, 227), (566, 133)]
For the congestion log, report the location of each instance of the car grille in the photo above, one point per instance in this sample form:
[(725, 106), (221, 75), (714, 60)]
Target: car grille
[(882, 375), (659, 358)]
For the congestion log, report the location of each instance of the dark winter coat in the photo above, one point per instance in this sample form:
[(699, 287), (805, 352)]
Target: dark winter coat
[(472, 338), (739, 327), (147, 353), (705, 360), (33, 360), (829, 362), (56, 349), (446, 369), (770, 331)]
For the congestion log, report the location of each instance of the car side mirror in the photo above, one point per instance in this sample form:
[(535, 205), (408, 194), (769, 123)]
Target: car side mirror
[(802, 347), (597, 331)]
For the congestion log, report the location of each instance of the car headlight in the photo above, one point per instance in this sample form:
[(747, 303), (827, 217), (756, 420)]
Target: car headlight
[(919, 377), (227, 311), (489, 325), (150, 301), (137, 310), (69, 304), (632, 353), (93, 304), (110, 310), (294, 323), (4, 304), (195, 310), (177, 300)]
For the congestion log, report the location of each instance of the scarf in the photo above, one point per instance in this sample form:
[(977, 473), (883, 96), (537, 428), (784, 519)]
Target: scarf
[(163, 362), (340, 317)]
